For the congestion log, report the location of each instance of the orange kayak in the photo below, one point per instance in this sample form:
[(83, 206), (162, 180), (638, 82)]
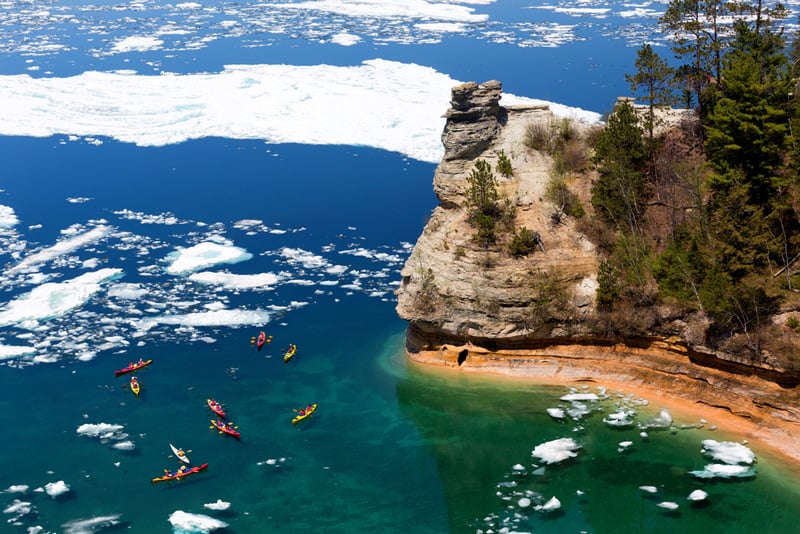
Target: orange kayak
[(216, 407), (225, 428), (179, 473), (132, 367)]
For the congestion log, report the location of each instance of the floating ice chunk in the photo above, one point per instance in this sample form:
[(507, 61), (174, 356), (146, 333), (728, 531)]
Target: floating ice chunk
[(204, 255), (126, 445), (17, 488), (697, 496), (104, 430), (83, 526), (18, 508), (556, 413), (54, 299), (184, 522), (8, 218), (136, 43), (345, 39), (64, 246), (668, 505), (518, 467), (262, 281), (625, 444), (661, 421), (209, 318), (649, 489), (551, 505), (725, 471), (622, 418), (524, 502), (557, 450), (572, 397), (54, 489), (126, 291), (8, 352), (728, 452), (218, 505)]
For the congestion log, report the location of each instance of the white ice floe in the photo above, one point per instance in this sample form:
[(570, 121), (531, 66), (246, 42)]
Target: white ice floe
[(209, 318), (101, 430), (186, 523), (17, 488), (86, 526), (728, 452), (661, 421), (54, 489), (218, 505), (126, 445), (556, 451), (345, 39), (18, 508), (649, 489), (8, 218), (126, 291), (383, 104), (725, 471), (54, 299), (65, 246), (572, 397), (8, 352), (257, 282), (697, 496), (413, 9), (556, 413), (550, 506), (204, 255), (622, 418), (668, 505), (137, 44)]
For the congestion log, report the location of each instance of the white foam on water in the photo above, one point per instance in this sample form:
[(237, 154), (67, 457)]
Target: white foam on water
[(186, 523), (382, 104), (204, 255), (54, 299), (556, 451)]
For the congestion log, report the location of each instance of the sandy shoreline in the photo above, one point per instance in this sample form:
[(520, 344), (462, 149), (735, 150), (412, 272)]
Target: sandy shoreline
[(778, 437)]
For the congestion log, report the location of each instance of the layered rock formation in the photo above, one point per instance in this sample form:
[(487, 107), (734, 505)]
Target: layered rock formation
[(472, 308)]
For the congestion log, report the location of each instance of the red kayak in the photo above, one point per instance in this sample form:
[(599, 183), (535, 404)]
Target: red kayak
[(223, 428), (262, 338), (133, 367), (216, 407), (179, 473)]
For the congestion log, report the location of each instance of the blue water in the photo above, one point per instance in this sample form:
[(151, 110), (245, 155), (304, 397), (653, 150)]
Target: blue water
[(392, 447)]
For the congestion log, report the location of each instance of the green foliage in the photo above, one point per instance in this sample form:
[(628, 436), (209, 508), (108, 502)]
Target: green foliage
[(564, 201), (653, 83), (482, 192), (618, 194), (504, 165), (523, 242), (793, 322), (485, 225), (427, 295), (549, 298), (608, 286), (681, 267)]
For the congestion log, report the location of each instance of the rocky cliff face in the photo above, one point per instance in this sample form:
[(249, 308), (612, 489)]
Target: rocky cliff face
[(475, 308), (454, 290)]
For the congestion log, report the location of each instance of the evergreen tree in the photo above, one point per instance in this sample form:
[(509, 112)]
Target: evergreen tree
[(653, 79), (620, 154)]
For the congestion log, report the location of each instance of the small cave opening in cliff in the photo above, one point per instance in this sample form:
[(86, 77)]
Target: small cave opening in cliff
[(462, 356)]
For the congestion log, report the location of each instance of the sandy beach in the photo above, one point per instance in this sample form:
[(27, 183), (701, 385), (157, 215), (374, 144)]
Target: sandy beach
[(688, 399)]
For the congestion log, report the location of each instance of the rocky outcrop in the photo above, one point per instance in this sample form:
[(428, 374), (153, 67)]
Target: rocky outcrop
[(475, 308)]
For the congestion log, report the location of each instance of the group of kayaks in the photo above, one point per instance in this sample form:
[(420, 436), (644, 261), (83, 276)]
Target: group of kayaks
[(220, 423)]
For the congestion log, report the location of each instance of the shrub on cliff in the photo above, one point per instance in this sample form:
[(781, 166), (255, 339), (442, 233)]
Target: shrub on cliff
[(523, 242)]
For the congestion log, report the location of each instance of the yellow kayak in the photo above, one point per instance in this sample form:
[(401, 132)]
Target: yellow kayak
[(289, 353), (305, 412), (135, 386)]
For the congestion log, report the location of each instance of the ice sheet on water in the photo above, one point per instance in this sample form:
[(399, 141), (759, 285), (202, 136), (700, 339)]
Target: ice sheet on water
[(55, 489), (17, 488), (724, 471), (65, 246), (12, 351), (8, 218), (218, 505), (697, 496), (186, 523), (255, 282)]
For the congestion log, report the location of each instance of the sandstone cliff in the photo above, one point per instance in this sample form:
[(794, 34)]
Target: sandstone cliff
[(474, 308)]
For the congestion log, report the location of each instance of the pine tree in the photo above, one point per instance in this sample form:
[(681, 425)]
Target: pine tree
[(653, 79)]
